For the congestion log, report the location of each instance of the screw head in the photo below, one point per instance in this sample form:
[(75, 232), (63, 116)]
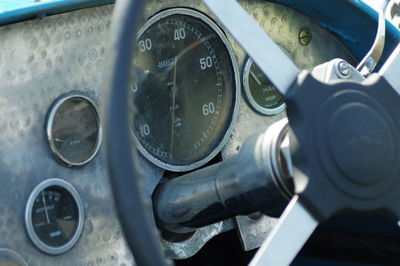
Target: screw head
[(343, 70), (305, 36)]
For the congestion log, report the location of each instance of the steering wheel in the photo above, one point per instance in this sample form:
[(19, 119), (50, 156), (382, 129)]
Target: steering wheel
[(345, 139), (131, 206)]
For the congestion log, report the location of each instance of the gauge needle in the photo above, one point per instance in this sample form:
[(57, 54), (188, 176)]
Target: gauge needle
[(59, 140), (45, 208), (255, 77), (174, 90)]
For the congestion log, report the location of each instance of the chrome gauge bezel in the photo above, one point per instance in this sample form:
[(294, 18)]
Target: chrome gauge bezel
[(49, 126), (236, 95), (11, 255), (246, 87), (28, 216)]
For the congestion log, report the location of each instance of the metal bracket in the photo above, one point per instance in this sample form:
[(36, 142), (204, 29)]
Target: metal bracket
[(337, 70), (370, 61)]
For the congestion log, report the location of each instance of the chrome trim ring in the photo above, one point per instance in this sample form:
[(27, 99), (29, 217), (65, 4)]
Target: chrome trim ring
[(50, 119), (28, 216), (236, 95), (249, 97), (9, 257)]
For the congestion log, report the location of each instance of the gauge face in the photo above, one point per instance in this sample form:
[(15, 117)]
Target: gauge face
[(260, 92), (54, 216), (73, 130), (186, 94)]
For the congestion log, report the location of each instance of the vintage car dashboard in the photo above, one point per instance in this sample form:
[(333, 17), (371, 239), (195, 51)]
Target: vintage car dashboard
[(56, 204)]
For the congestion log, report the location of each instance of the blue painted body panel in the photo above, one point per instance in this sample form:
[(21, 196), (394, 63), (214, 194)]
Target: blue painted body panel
[(14, 10), (12, 4)]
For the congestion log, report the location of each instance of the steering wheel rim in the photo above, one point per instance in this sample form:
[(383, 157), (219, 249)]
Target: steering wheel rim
[(140, 234), (132, 208)]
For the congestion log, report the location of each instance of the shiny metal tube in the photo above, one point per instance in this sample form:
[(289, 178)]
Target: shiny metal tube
[(370, 61), (247, 182)]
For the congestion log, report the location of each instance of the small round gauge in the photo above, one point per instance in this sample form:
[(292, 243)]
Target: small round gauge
[(73, 130), (54, 216), (187, 89), (260, 92), (9, 257)]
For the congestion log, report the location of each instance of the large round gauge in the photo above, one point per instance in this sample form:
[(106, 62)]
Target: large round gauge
[(73, 129), (260, 92), (54, 216), (186, 89)]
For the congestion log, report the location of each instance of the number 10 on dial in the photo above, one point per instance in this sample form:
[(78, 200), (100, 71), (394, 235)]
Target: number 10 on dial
[(187, 101)]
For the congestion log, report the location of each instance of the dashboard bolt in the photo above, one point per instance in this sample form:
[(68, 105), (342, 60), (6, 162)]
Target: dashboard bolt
[(344, 69), (305, 36)]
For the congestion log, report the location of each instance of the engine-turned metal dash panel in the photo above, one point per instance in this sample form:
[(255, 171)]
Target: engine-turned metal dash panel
[(39, 61), (42, 59)]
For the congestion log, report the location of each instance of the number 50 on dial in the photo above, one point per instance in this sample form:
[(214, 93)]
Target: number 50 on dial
[(188, 95)]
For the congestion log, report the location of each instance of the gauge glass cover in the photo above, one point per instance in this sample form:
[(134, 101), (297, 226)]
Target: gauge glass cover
[(73, 130), (54, 216), (187, 89), (260, 92)]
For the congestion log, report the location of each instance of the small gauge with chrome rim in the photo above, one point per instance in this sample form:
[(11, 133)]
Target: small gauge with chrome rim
[(54, 216), (9, 257), (260, 93), (73, 129)]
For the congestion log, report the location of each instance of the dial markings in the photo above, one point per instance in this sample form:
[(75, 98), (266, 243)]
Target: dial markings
[(190, 103)]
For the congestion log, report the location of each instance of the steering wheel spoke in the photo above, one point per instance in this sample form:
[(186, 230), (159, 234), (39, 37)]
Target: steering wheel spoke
[(390, 70), (267, 55), (290, 234)]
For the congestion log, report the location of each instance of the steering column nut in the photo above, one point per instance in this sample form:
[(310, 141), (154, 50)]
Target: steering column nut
[(343, 70)]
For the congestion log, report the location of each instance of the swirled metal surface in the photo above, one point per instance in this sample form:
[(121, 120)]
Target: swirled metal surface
[(39, 61), (44, 58)]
